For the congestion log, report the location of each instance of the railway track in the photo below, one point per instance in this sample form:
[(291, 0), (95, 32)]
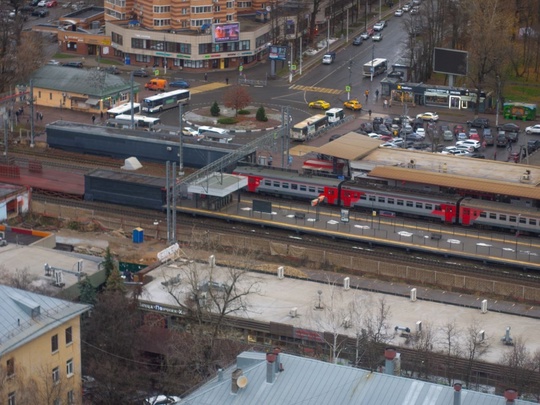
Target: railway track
[(386, 254)]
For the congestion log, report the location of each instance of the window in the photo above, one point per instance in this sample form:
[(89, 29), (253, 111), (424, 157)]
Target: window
[(294, 186), (512, 218), (285, 185), (276, 184), (390, 201), (311, 189), (419, 205), (69, 367), (70, 397), (54, 343), (201, 9), (217, 8), (244, 4), (303, 188), (381, 199), (56, 375), (371, 198), (11, 398), (230, 17), (230, 4), (492, 216), (56, 401), (532, 222), (69, 335), (429, 207), (409, 203), (400, 202), (502, 217), (10, 367), (162, 23), (162, 9)]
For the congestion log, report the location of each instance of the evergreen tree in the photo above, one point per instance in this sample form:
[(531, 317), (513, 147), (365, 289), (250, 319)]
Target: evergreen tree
[(261, 114), (87, 291), (215, 110), (115, 282), (108, 263)]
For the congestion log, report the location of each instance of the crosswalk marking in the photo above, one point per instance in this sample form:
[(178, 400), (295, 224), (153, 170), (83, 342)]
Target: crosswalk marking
[(207, 87), (315, 89)]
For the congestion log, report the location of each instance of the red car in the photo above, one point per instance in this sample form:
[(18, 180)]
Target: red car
[(51, 3), (458, 128)]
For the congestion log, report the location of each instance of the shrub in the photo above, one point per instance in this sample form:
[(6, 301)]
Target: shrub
[(215, 110), (261, 114), (227, 120), (244, 112)]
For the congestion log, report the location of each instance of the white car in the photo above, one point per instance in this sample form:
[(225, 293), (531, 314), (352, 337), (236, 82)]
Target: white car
[(42, 3), (428, 116), (398, 12), (406, 8), (534, 129), (389, 145), (377, 37), (469, 142), (421, 132), (378, 26), (373, 135), (188, 131)]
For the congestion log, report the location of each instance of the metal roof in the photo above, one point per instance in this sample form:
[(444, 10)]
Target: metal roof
[(310, 381), (350, 146), (456, 181), (94, 83), (24, 316)]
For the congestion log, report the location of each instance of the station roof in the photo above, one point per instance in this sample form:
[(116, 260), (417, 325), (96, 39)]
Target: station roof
[(351, 146), (218, 184)]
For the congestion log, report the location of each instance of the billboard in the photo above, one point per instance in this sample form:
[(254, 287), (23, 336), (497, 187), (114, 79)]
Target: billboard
[(227, 32), (277, 53), (450, 61)]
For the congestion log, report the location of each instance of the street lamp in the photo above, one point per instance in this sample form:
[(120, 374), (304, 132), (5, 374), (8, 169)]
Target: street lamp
[(517, 232), (350, 71), (498, 98)]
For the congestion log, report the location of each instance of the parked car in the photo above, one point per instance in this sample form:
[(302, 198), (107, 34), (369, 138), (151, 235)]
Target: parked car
[(414, 137), (398, 12), (421, 132), (113, 70), (479, 123), (533, 129), (501, 139), (40, 13), (513, 157), (473, 134), (396, 73), (511, 127), (533, 145), (407, 128), (42, 3), (357, 41), (477, 155), (334, 137), (78, 65), (406, 8), (448, 135), (488, 137), (377, 37), (512, 136), (462, 136), (181, 84), (428, 116), (469, 142), (162, 400), (365, 35), (53, 62), (27, 9), (140, 73), (51, 3), (379, 26), (458, 128)]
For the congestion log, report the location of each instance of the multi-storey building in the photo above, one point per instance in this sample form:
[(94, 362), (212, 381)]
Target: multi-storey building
[(199, 34), (40, 352)]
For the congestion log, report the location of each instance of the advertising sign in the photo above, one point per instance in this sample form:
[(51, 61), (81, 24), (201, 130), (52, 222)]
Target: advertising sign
[(278, 53), (228, 32)]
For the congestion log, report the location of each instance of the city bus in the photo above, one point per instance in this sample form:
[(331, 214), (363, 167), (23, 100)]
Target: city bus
[(123, 109), (305, 129), (124, 121), (378, 65), (164, 101)]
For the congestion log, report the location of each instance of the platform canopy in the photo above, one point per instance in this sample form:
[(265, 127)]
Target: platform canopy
[(218, 184), (351, 146)]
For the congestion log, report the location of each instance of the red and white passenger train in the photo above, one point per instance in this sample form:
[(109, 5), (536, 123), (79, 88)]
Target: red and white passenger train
[(378, 194)]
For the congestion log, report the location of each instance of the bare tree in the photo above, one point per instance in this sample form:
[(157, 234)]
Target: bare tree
[(236, 97), (475, 346), (422, 342), (451, 348), (519, 360)]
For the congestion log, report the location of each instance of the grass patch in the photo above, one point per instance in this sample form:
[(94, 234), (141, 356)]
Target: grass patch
[(244, 112), (227, 120)]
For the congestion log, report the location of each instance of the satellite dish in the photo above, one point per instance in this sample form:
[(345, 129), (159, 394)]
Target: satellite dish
[(242, 381), (268, 8)]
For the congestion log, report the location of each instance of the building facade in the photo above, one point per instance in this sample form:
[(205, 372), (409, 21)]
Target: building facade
[(40, 350)]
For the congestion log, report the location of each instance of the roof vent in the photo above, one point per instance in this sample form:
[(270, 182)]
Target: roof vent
[(526, 177), (30, 307)]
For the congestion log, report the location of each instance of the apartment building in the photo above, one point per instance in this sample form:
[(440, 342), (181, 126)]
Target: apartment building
[(198, 34), (40, 349)]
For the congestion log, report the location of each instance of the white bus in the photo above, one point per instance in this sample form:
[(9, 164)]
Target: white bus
[(123, 109), (335, 114), (164, 101), (378, 66), (308, 127), (124, 121)]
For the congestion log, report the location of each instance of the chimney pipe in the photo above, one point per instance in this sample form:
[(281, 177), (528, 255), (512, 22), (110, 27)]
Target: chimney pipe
[(510, 395), (270, 367), (234, 382), (389, 355), (278, 358), (220, 374), (457, 394)]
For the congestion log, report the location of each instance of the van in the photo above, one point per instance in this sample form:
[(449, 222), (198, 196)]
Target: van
[(213, 130), (156, 85)]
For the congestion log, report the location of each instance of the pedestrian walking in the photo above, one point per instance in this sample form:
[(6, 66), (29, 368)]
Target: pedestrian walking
[(93, 119), (41, 116), (377, 95), (495, 155), (101, 115), (366, 93), (369, 113), (226, 80), (206, 77), (385, 104), (37, 115)]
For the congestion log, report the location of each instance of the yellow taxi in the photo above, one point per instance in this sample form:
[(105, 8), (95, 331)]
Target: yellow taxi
[(354, 105), (323, 105)]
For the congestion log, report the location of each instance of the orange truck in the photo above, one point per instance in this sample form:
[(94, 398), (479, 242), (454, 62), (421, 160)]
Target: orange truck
[(156, 84)]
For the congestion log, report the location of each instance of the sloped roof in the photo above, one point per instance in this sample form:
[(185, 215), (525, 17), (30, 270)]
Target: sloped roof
[(350, 146), (94, 83), (25, 315), (314, 382), (455, 181)]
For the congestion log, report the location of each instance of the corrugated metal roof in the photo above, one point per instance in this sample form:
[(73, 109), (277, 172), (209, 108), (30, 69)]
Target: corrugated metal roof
[(455, 181), (350, 146), (309, 381), (18, 326), (91, 82)]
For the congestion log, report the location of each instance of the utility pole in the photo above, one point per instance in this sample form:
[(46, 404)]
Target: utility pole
[(497, 104), (380, 10), (180, 142), (372, 59), (350, 71), (32, 127), (347, 31), (131, 97), (328, 33)]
